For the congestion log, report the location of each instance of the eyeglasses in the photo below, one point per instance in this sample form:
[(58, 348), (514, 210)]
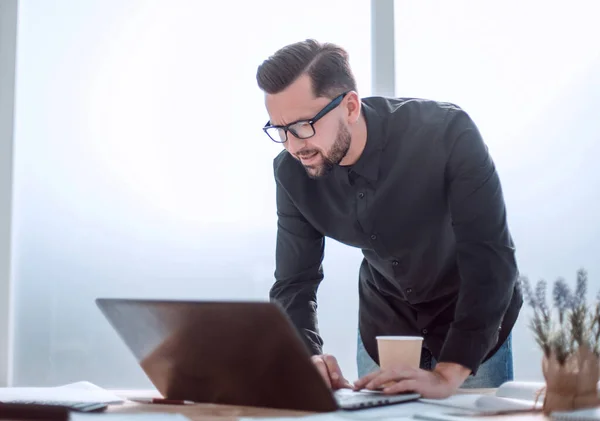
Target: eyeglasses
[(302, 129)]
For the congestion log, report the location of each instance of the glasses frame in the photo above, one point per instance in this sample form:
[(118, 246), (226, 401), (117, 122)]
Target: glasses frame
[(288, 127)]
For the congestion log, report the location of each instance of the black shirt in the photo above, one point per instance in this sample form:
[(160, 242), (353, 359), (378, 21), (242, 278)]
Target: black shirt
[(425, 205)]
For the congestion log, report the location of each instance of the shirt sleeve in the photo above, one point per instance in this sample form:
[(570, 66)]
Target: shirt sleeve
[(298, 269), (485, 250)]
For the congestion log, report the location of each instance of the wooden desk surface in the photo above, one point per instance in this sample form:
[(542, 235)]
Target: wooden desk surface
[(204, 412), (212, 412), (196, 412)]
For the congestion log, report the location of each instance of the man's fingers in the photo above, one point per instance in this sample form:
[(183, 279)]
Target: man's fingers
[(402, 387), (390, 376), (335, 372), (347, 385), (332, 365), (400, 380), (322, 367), (341, 383), (363, 381)]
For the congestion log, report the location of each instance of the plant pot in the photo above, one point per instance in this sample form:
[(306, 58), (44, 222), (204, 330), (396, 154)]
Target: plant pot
[(572, 385)]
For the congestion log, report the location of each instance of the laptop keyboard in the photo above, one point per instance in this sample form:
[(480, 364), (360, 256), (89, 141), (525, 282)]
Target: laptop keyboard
[(360, 400)]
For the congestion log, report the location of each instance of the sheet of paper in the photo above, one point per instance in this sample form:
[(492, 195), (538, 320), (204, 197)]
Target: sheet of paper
[(495, 403), (474, 402), (333, 416), (456, 416), (466, 401), (399, 412), (74, 392)]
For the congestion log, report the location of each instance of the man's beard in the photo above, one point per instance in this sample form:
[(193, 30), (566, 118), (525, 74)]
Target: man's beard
[(338, 151)]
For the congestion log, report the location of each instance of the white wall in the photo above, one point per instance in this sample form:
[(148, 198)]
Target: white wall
[(8, 32), (529, 75), (383, 50), (141, 169)]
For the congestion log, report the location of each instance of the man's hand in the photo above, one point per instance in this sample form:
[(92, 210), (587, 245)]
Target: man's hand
[(440, 383), (330, 371)]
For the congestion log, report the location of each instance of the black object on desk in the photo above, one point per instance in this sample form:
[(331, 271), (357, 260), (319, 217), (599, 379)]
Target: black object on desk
[(38, 411)]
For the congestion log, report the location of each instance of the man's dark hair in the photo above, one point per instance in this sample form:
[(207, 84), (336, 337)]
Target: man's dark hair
[(327, 65)]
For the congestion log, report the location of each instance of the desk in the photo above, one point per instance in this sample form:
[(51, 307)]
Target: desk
[(204, 412), (197, 412), (212, 412)]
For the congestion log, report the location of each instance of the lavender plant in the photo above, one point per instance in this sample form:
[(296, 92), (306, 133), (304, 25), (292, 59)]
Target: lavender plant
[(567, 325)]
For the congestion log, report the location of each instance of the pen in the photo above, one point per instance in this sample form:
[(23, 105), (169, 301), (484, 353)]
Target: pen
[(162, 401)]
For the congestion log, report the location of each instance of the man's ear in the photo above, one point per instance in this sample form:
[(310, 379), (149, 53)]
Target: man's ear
[(353, 105)]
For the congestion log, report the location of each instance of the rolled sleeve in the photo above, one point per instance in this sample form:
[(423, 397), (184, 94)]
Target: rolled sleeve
[(485, 250)]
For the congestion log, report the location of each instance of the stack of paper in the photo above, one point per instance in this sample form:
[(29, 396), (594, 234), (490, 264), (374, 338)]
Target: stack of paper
[(511, 395), (71, 393)]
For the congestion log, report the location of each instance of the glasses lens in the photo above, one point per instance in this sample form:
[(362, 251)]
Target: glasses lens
[(302, 130), (276, 134)]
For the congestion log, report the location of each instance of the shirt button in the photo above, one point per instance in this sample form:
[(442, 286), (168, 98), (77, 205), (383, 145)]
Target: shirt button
[(395, 263), (373, 237), (424, 331), (408, 290), (361, 195)]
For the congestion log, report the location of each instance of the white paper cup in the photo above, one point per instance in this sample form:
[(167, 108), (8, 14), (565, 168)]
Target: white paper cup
[(399, 351)]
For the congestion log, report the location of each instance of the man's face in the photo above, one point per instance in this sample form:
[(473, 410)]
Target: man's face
[(331, 140)]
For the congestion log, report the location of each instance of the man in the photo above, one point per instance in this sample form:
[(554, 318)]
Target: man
[(411, 183)]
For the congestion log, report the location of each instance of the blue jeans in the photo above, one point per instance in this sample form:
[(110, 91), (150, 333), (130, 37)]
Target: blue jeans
[(492, 373)]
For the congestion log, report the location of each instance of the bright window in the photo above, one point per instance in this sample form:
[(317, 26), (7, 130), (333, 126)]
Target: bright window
[(529, 75), (141, 169)]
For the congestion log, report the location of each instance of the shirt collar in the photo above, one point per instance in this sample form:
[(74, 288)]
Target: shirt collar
[(367, 165)]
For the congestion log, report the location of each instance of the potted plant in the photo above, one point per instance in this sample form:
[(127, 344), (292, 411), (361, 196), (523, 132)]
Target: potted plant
[(568, 333)]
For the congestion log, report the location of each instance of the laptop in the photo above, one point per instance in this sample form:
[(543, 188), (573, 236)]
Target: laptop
[(232, 353)]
